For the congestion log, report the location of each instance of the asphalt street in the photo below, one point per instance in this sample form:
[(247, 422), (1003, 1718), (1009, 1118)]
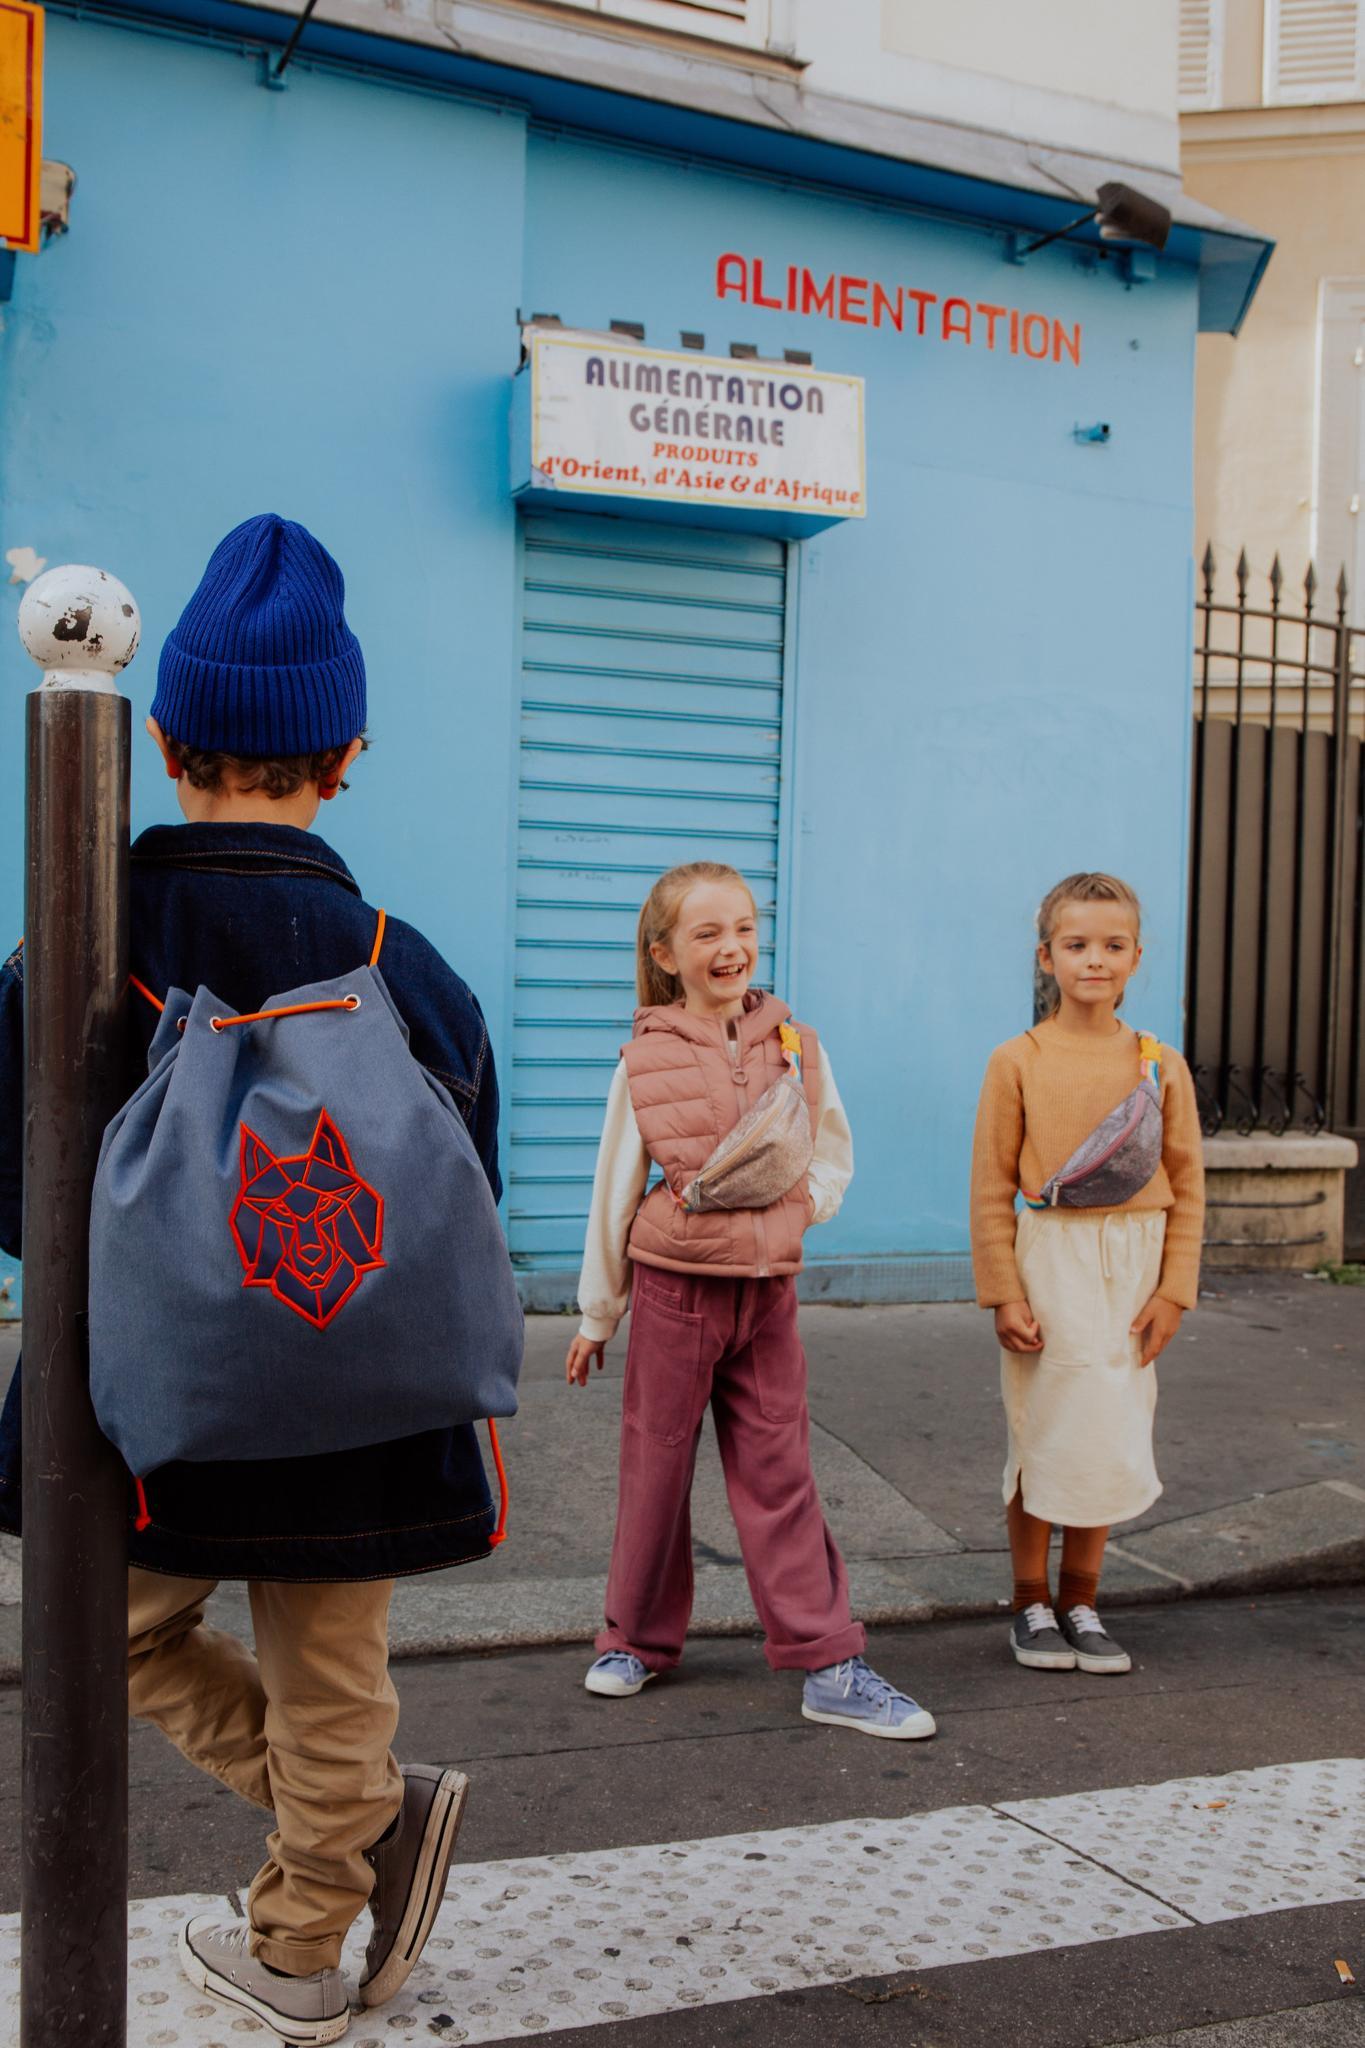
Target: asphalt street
[(719, 1750)]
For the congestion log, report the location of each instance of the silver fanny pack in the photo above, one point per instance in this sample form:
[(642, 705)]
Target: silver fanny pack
[(766, 1154), (1120, 1155)]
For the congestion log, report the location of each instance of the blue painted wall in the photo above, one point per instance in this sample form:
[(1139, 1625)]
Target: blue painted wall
[(302, 302), (307, 302), (992, 668)]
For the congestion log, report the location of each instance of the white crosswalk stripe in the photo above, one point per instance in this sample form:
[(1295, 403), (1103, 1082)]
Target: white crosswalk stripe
[(536, 1944)]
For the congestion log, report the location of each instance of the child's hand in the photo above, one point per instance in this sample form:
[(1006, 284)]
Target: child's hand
[(1156, 1326), (1016, 1328), (582, 1352)]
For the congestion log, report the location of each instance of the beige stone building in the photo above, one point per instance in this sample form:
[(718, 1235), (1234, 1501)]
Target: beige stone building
[(1273, 130)]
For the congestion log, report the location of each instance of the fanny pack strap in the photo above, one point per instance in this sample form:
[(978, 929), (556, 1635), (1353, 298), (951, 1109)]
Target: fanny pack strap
[(1149, 1056), (791, 1047)]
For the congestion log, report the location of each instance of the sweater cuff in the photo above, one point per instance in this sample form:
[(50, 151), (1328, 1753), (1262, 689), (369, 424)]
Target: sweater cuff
[(599, 1329), (1000, 1288)]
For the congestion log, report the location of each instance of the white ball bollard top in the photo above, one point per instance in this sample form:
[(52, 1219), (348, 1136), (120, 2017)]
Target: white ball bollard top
[(81, 626)]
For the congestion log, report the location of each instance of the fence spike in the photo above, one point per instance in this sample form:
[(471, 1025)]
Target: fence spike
[(1310, 584), (1243, 574), (1276, 583), (1210, 569), (1342, 588)]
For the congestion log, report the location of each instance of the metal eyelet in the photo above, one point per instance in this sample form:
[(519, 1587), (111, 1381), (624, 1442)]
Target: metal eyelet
[(216, 1023), (180, 1023), (351, 1002)]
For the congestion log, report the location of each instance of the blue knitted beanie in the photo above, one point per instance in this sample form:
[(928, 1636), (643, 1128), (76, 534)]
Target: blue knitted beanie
[(262, 661)]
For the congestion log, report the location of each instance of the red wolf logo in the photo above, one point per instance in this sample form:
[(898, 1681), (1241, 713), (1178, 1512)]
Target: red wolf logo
[(307, 1227)]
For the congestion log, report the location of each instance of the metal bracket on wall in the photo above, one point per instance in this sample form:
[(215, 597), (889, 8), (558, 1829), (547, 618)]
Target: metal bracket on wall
[(272, 73), (1137, 266)]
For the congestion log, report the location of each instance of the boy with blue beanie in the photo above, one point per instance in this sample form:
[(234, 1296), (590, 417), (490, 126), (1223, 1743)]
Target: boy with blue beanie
[(259, 713)]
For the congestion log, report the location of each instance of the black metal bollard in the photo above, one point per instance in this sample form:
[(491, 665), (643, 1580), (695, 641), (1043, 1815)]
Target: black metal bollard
[(82, 627)]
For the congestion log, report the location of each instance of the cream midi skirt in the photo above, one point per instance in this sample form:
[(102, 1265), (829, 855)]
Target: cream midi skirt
[(1080, 1410)]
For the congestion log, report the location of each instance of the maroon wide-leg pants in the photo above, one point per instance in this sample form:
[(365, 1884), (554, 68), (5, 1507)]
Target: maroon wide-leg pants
[(733, 1343)]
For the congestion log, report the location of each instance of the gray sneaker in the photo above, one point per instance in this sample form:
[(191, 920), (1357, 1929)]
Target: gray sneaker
[(1037, 1641), (216, 1960), (410, 1870), (1095, 1648)]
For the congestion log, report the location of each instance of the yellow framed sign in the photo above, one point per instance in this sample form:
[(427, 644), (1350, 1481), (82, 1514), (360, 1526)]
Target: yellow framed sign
[(21, 123)]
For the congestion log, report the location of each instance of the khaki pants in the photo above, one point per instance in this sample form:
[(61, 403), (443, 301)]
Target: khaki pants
[(301, 1729)]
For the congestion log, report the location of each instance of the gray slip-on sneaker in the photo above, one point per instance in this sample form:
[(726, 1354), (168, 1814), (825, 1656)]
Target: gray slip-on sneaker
[(1095, 1648), (215, 1958), (410, 1870), (1038, 1643)]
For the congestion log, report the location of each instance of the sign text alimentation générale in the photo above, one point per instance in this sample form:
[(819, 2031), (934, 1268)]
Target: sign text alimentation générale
[(631, 421)]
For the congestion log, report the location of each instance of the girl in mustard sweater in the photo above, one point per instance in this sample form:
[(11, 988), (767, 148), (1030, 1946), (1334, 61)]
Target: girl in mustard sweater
[(1096, 1126)]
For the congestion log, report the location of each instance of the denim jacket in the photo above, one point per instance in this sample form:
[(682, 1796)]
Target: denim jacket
[(250, 910)]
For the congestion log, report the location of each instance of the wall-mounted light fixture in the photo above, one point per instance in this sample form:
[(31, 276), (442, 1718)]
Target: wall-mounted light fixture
[(1121, 213)]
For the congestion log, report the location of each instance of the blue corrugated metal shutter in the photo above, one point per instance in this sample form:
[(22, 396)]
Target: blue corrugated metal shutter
[(651, 734)]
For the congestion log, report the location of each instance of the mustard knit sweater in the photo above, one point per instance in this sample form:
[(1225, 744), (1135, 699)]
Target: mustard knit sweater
[(1044, 1092)]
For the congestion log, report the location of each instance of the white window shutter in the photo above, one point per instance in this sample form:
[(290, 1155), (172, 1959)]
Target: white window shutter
[(1313, 50), (1201, 53), (1339, 468), (734, 10)]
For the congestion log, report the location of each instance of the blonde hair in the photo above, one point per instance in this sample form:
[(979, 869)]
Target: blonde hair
[(662, 906), (1083, 888)]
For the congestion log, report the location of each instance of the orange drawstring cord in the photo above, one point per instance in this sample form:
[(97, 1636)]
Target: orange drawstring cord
[(144, 1513), (289, 1010), (143, 990), (500, 1533)]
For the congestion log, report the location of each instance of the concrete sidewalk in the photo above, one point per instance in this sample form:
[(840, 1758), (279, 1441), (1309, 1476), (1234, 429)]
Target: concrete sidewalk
[(1260, 1443)]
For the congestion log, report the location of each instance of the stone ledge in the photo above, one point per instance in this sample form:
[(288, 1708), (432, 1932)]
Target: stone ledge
[(1298, 1154)]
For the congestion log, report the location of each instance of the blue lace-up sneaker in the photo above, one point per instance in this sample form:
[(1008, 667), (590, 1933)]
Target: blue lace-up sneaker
[(851, 1695), (618, 1675)]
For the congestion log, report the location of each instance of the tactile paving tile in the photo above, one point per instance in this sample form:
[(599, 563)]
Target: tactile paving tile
[(1250, 1842), (561, 1941), (544, 1943), (164, 2009)]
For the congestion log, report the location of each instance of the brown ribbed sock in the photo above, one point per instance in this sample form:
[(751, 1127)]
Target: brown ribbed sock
[(1029, 1591), (1077, 1589)]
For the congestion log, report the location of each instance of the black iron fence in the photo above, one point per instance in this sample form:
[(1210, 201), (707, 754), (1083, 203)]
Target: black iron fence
[(1275, 1029)]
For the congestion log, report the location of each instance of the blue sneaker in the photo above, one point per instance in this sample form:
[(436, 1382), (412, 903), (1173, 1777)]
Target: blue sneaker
[(851, 1695), (618, 1675)]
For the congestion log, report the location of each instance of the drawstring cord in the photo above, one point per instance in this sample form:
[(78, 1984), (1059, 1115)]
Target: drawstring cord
[(143, 990), (500, 1533)]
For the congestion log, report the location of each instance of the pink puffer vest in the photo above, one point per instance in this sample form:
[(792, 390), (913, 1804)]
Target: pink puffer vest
[(690, 1083)]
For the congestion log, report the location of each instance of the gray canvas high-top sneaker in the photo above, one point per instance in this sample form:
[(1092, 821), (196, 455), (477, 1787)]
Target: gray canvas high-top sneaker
[(410, 1870), (308, 2010)]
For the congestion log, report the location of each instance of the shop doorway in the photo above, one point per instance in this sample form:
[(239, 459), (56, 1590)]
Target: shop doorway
[(652, 732)]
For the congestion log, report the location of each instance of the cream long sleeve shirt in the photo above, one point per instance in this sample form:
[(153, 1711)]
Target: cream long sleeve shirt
[(618, 1189)]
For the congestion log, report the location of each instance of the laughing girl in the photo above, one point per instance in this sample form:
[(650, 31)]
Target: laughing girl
[(737, 1108)]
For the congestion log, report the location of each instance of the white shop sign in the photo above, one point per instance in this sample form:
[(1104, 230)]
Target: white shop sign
[(615, 420)]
